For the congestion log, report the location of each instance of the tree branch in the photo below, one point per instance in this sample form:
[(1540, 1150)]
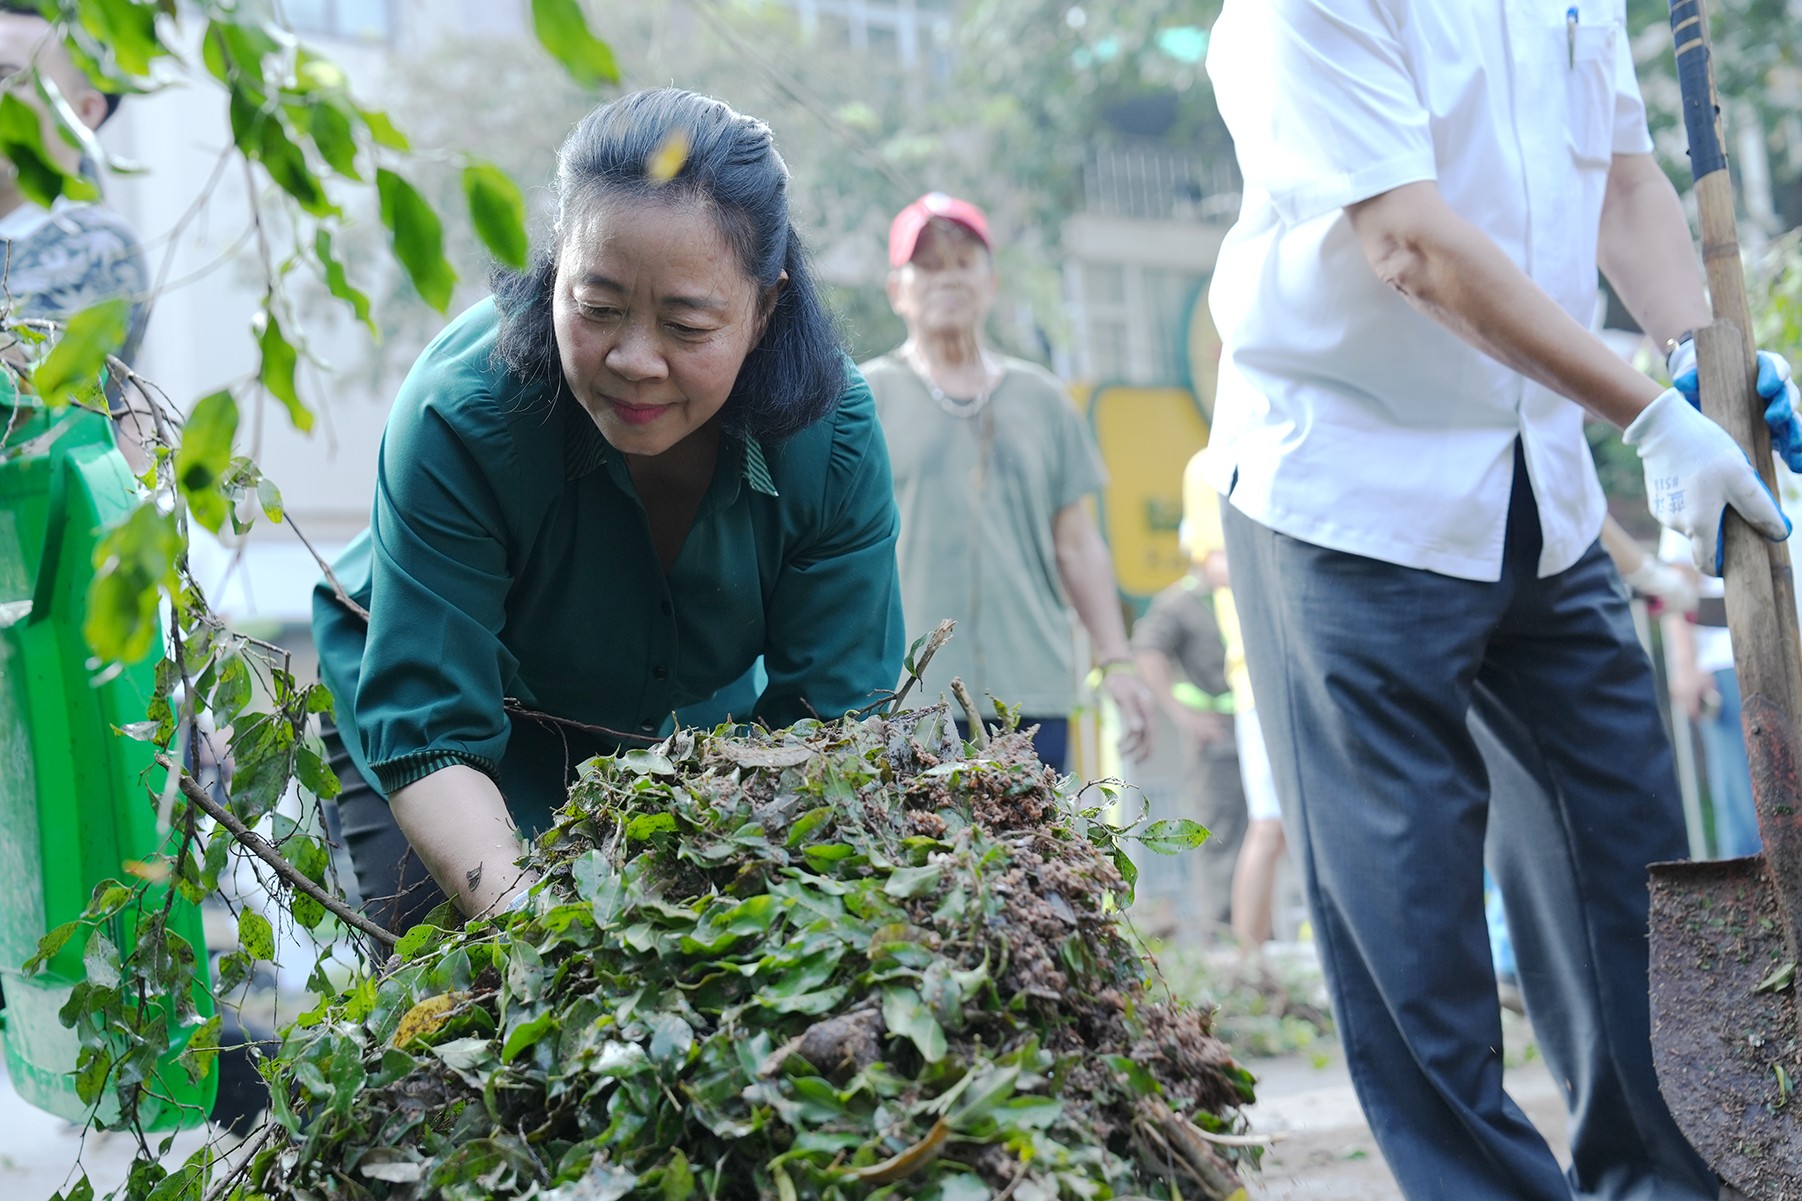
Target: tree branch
[(261, 848)]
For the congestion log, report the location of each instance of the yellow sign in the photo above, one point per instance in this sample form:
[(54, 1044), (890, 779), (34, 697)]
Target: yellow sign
[(1147, 436)]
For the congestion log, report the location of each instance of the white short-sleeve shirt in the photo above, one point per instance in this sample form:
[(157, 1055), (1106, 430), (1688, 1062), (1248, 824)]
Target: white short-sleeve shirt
[(1347, 418)]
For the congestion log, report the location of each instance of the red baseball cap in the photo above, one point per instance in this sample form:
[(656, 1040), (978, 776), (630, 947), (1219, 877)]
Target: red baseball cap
[(904, 231)]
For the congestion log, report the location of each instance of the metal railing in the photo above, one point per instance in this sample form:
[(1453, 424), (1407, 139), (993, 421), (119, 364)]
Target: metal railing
[(1156, 183)]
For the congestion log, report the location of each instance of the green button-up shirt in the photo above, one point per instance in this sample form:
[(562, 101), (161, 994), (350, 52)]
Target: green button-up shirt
[(508, 556)]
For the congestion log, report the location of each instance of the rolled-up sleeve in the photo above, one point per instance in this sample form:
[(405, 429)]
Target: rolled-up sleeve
[(834, 630), (430, 690), (1321, 101)]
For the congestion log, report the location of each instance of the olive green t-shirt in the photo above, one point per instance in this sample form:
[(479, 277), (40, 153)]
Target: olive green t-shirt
[(508, 556), (978, 496)]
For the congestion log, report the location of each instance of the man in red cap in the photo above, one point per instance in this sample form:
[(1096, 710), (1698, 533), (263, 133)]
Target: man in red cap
[(991, 464)]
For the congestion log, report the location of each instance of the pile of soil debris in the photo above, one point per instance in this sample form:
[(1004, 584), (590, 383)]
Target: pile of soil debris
[(844, 960)]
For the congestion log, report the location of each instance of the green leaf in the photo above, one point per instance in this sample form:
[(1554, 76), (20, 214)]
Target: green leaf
[(100, 961), (498, 211), (913, 881), (383, 130), (528, 1034), (314, 775), (136, 561), (907, 1017), (647, 763), (416, 940), (277, 369), (1129, 871), (1778, 980), (39, 176), (647, 825), (256, 936), (287, 166), (75, 364), (270, 498), (93, 1066), (418, 238), (671, 1040), (1135, 1075), (205, 454), (335, 137), (108, 898), (127, 30), (202, 1049), (1173, 835), (563, 31), (232, 692), (807, 823), (82, 1190), (339, 285), (679, 1179)]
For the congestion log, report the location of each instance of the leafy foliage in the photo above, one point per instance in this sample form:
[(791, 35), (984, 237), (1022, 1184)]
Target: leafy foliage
[(310, 149), (844, 960)]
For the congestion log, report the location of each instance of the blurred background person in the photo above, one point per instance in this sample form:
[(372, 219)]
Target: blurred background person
[(76, 253), (992, 467), (1184, 662)]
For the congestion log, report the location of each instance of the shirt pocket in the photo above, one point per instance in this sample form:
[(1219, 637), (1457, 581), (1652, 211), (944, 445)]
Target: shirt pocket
[(1588, 50)]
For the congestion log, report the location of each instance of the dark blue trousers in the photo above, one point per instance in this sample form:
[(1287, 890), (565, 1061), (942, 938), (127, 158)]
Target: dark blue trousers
[(1387, 694)]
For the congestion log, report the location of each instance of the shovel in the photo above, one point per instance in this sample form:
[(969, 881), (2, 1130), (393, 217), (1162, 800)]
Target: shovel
[(1724, 935)]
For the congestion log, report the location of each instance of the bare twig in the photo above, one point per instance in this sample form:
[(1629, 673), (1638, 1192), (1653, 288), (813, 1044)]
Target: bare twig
[(245, 1154), (939, 637), (978, 731), (330, 577), (513, 705), (260, 847)]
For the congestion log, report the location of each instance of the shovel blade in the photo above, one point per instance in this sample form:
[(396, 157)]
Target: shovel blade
[(1726, 1052)]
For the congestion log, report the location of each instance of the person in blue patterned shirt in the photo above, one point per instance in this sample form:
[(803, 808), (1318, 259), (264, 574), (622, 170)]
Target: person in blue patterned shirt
[(57, 261)]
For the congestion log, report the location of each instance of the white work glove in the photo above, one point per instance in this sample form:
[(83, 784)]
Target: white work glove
[(1694, 471), (1674, 587), (1774, 387)]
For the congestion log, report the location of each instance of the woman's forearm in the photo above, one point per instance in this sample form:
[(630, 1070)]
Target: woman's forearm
[(459, 827)]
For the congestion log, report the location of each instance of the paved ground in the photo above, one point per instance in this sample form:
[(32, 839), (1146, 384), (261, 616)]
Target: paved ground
[(38, 1152), (1326, 1153)]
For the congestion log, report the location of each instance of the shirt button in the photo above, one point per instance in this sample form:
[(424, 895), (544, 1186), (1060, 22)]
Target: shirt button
[(660, 672)]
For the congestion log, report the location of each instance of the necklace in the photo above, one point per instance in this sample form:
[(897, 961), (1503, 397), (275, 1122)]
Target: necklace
[(956, 406)]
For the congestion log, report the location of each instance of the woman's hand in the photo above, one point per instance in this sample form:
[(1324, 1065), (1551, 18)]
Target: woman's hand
[(459, 826)]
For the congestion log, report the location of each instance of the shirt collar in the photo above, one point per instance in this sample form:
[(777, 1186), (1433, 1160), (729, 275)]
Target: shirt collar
[(585, 450), (30, 217)]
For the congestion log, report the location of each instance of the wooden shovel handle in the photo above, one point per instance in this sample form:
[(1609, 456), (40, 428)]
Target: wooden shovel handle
[(1761, 606)]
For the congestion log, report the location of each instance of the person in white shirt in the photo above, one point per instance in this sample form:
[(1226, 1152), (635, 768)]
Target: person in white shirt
[(1429, 186)]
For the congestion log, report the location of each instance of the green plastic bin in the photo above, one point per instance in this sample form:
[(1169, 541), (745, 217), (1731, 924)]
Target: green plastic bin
[(75, 805)]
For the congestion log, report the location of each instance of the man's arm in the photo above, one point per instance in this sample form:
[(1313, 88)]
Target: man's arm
[(1455, 273), (1646, 252), (1088, 575)]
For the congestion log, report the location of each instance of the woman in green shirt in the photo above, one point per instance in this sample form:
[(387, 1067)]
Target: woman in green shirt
[(603, 495)]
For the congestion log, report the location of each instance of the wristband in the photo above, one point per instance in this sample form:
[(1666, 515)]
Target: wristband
[(1108, 667)]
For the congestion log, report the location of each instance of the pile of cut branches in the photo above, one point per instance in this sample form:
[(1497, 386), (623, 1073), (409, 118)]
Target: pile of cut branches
[(848, 959)]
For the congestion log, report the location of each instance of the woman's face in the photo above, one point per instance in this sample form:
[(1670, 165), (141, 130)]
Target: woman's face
[(653, 319)]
